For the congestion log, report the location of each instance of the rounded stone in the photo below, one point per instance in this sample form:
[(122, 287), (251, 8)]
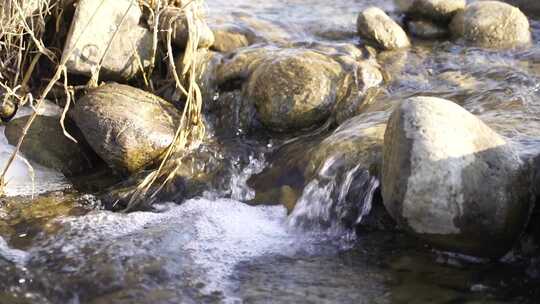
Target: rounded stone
[(437, 10), (451, 180), (491, 24), (127, 127), (294, 91), (375, 25)]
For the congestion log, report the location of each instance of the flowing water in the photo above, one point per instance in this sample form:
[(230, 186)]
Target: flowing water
[(62, 248)]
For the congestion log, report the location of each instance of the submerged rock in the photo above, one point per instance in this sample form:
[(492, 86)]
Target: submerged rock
[(342, 174), (294, 91), (129, 128), (174, 19), (427, 29), (492, 24), (374, 25), (46, 144), (107, 33), (451, 180)]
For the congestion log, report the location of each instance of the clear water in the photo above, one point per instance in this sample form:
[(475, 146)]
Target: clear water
[(219, 250)]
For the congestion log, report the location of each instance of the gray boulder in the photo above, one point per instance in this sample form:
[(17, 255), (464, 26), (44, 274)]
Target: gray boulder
[(451, 180), (46, 144), (107, 32), (491, 24), (295, 90), (375, 26), (129, 128)]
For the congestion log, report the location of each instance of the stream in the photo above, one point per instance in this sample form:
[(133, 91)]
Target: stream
[(62, 247)]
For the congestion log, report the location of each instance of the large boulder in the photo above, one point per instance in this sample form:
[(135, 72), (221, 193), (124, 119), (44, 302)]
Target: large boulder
[(376, 26), (294, 90), (46, 144), (491, 24), (108, 33), (451, 180), (129, 128)]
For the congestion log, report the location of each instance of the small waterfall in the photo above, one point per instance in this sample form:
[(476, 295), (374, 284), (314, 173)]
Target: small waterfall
[(337, 199)]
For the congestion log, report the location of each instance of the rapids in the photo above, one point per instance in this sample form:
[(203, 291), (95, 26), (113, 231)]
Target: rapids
[(217, 249)]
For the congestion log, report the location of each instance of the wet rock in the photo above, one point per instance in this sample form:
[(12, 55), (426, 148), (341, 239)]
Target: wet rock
[(491, 24), (129, 128), (230, 37), (437, 10), (427, 29), (46, 144), (358, 141), (459, 186), (8, 109), (207, 63), (295, 90), (342, 174), (97, 23), (174, 19), (375, 26), (358, 88)]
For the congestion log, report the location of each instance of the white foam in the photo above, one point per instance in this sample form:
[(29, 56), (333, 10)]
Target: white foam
[(15, 256), (211, 236)]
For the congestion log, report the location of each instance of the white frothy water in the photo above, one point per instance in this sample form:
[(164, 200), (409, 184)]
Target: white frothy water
[(25, 177), (201, 239), (15, 256)]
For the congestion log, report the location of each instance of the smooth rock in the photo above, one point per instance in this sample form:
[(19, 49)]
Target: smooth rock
[(451, 180), (374, 25), (107, 32), (295, 90), (357, 90), (491, 24), (436, 10), (230, 37), (8, 108), (129, 128), (46, 144), (174, 19)]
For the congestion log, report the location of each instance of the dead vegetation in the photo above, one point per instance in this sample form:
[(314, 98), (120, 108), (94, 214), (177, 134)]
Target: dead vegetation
[(25, 43)]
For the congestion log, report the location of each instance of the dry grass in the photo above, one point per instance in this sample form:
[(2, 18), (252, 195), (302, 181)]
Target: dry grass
[(21, 47)]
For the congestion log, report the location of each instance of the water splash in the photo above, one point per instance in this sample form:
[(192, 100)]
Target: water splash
[(15, 256), (337, 199)]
